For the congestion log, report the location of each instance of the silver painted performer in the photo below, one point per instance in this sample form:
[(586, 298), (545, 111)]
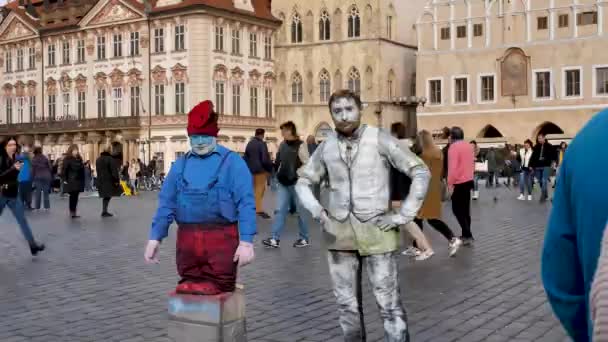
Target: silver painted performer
[(359, 227)]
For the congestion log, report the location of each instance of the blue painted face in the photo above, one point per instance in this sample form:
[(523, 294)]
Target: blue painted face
[(202, 144)]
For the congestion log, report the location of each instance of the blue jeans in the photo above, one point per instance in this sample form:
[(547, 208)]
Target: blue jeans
[(543, 174), (25, 193), (476, 182), (16, 206), (285, 196), (42, 189), (525, 181)]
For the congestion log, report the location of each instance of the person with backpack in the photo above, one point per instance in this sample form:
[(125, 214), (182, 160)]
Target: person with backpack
[(293, 153)]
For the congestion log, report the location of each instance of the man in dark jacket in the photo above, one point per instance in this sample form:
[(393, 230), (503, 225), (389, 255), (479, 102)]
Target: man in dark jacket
[(542, 161), (258, 161), (108, 179)]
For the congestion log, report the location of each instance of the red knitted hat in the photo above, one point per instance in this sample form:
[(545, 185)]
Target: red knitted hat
[(202, 120)]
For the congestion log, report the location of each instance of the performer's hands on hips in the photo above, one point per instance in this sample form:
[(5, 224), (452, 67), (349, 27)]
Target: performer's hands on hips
[(151, 254), (244, 253), (390, 222)]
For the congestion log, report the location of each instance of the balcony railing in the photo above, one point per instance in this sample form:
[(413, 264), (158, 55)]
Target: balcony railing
[(68, 125)]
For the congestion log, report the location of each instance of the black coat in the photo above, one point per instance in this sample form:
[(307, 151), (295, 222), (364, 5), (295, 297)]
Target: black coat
[(544, 159), (108, 179), (257, 156), (73, 174), (9, 187)]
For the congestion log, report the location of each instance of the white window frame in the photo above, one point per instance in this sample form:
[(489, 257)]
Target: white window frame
[(253, 45), (453, 84), (117, 45), (268, 103), (66, 99), (179, 37), (32, 106), (117, 96), (31, 58), (159, 40), (159, 99), (594, 80), (180, 97), (480, 85), (535, 97), (134, 44), (81, 104), (20, 108), (254, 101), (428, 91), (101, 48), (51, 52), (80, 52), (135, 100), (268, 47), (66, 51), (564, 80), (20, 64), (220, 97), (219, 38)]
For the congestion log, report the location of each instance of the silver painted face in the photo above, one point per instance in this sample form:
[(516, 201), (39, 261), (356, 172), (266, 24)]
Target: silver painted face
[(346, 115)]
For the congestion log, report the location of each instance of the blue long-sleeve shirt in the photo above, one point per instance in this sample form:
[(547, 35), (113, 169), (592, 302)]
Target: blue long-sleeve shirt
[(235, 177), (25, 175), (576, 225)]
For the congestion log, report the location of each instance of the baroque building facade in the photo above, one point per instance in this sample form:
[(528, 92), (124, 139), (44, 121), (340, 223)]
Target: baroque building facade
[(367, 46), (126, 72), (508, 70)]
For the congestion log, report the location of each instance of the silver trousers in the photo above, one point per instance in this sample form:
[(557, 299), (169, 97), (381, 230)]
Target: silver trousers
[(345, 268)]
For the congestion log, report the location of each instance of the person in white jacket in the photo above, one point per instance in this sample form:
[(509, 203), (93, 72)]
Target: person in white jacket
[(527, 173)]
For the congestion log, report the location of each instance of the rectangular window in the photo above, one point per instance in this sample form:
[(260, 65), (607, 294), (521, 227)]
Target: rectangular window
[(601, 80), (219, 38), (135, 100), (478, 30), (487, 88), (461, 90), (32, 58), (268, 102), (20, 105), (66, 52), (180, 38), (268, 47), (20, 60), (389, 27), (573, 82), (435, 92), (51, 55), (543, 84), (541, 23), (236, 42), (253, 101), (253, 45), (52, 103), (134, 44), (66, 105), (236, 99), (101, 103), (8, 62), (445, 33), (159, 40), (80, 51), (219, 97), (563, 20), (586, 18), (32, 102), (9, 110), (461, 31), (82, 100), (117, 45), (180, 98), (117, 101), (159, 99), (101, 48)]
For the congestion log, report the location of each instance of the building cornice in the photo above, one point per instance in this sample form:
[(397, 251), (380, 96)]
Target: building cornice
[(355, 40), (208, 10)]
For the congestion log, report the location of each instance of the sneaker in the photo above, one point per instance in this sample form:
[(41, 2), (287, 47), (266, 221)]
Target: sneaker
[(106, 215), (475, 195), (529, 197), (35, 248), (263, 215), (272, 243), (467, 241), (425, 255), (411, 252), (454, 246), (521, 197), (301, 243)]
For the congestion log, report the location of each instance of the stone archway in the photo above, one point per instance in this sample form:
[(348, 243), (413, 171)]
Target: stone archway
[(546, 128), (489, 131)]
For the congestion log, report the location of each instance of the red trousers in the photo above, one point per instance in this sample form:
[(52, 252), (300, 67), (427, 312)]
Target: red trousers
[(205, 255)]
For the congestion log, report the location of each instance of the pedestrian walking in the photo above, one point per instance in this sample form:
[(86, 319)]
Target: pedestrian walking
[(358, 224), (88, 176), (133, 172), (9, 191), (461, 164), (108, 180), (59, 176), (493, 170), (213, 237), (576, 226), (73, 178), (527, 172), (432, 206), (543, 161), (25, 177), (257, 158), (42, 176), (476, 174), (293, 153)]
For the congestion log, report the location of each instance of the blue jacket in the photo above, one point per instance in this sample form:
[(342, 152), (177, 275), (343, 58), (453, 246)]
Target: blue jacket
[(25, 175), (235, 178), (576, 225)]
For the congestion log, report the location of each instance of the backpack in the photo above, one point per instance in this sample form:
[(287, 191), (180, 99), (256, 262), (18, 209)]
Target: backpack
[(287, 174)]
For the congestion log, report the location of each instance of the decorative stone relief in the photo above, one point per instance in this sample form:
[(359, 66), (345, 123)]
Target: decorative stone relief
[(20, 89), (237, 76), (16, 30), (159, 75), (8, 89), (254, 78), (135, 78), (65, 82), (179, 73), (101, 80), (81, 82), (113, 12), (31, 88), (269, 80), (220, 73), (51, 86), (117, 78), (514, 73)]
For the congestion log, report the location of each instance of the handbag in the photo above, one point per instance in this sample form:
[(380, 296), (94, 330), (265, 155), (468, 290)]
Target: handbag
[(481, 166)]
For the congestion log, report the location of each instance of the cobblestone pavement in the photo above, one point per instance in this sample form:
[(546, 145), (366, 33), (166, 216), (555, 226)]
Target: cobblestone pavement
[(92, 284)]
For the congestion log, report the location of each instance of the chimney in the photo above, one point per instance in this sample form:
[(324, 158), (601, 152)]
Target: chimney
[(31, 11)]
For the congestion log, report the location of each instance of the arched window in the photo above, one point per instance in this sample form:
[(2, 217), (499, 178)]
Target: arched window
[(296, 29), (324, 26), (354, 23), (354, 81), (324, 86), (296, 88)]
